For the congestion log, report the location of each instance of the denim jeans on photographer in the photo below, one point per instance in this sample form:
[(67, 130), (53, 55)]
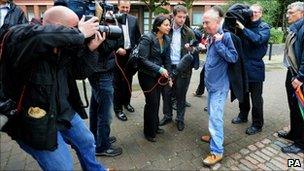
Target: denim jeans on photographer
[(216, 104), (101, 109), (81, 140)]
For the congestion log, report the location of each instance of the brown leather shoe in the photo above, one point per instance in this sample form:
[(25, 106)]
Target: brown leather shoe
[(212, 159), (206, 138)]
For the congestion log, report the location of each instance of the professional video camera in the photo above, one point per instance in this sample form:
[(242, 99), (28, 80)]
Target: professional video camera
[(240, 12), (104, 11)]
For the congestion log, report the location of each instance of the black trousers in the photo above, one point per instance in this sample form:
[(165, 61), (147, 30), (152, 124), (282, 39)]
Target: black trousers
[(296, 120), (201, 87), (122, 94), (255, 91), (178, 91), (151, 119)]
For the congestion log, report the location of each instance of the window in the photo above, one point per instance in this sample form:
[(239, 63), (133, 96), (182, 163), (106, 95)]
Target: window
[(197, 18), (30, 12), (42, 9), (146, 21)]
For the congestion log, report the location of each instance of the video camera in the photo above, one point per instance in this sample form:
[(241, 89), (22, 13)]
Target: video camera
[(104, 11)]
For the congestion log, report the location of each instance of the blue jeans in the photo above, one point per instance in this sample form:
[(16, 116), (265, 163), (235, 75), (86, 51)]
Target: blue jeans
[(101, 109), (81, 140), (216, 104)]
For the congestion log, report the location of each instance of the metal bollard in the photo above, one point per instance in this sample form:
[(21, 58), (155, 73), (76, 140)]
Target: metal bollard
[(270, 50)]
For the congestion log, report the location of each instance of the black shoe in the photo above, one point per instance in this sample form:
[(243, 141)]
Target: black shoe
[(129, 108), (205, 109), (253, 130), (284, 134), (292, 149), (180, 125), (187, 104), (238, 120), (150, 139), (165, 121), (111, 152), (121, 116), (160, 131), (112, 139)]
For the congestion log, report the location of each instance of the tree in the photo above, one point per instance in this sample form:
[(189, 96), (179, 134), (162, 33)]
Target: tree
[(188, 4), (153, 5)]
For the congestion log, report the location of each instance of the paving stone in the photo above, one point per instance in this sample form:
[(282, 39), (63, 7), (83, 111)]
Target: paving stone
[(262, 155), (266, 141), (259, 145), (276, 147), (263, 166), (228, 162), (234, 168), (236, 156), (243, 167), (217, 166), (274, 151), (248, 164), (272, 166), (260, 159), (267, 152), (252, 147), (244, 151), (252, 160), (280, 144), (279, 164)]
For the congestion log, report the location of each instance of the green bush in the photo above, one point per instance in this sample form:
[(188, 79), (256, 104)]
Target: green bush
[(276, 36)]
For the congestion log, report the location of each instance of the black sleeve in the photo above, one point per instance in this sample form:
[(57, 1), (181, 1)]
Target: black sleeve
[(167, 60), (84, 63), (33, 41), (137, 32)]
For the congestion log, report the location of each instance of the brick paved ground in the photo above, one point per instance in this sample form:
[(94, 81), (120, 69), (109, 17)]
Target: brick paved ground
[(183, 150)]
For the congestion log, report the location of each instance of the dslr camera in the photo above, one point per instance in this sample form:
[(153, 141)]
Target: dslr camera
[(108, 21)]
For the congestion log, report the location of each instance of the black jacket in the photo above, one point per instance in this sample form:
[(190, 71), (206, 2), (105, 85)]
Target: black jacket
[(14, 16), (151, 57), (236, 72), (134, 31), (47, 59)]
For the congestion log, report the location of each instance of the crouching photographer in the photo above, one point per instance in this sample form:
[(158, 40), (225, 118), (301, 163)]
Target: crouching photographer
[(41, 63)]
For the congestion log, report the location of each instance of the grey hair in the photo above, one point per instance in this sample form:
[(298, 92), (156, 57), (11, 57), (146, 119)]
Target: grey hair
[(299, 6), (213, 14), (258, 5)]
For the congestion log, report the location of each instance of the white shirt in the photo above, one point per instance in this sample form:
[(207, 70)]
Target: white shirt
[(125, 29), (176, 46), (3, 11)]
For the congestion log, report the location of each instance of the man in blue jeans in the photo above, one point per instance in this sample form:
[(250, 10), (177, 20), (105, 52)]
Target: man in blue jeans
[(220, 52), (40, 64), (102, 99)]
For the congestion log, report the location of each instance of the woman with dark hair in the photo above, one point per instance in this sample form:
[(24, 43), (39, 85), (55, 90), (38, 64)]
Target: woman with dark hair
[(154, 52)]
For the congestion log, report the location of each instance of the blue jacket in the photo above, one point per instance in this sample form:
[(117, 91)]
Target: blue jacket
[(298, 29), (219, 54), (255, 43)]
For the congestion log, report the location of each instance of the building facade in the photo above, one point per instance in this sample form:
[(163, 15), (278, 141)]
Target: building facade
[(36, 8)]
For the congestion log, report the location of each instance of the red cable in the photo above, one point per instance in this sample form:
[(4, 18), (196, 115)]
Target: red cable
[(159, 81)]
